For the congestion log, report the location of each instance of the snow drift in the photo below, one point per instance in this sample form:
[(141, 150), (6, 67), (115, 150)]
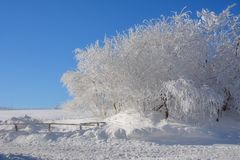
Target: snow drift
[(127, 125), (28, 124), (186, 69), (127, 135)]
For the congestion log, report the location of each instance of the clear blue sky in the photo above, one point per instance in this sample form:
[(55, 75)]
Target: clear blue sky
[(37, 38)]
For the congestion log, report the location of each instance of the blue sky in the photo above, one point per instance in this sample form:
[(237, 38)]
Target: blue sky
[(37, 39)]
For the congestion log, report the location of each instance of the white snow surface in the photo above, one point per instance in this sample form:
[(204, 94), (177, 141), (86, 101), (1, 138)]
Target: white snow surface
[(127, 135)]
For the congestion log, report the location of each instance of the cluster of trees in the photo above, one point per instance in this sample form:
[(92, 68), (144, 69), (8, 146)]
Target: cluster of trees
[(187, 69)]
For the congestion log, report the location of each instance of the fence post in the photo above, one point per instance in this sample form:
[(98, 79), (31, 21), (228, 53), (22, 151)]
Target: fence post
[(49, 127), (80, 127), (16, 128)]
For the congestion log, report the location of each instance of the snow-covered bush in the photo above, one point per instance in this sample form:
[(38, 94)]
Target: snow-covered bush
[(187, 68)]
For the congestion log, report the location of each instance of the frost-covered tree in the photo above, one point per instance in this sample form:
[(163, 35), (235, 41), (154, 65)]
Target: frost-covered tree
[(188, 69)]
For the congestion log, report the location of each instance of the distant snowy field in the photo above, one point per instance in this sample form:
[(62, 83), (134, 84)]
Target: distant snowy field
[(43, 114), (126, 136)]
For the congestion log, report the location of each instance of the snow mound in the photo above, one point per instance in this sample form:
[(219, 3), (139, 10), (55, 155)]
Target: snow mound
[(135, 126), (129, 125), (26, 123), (128, 121)]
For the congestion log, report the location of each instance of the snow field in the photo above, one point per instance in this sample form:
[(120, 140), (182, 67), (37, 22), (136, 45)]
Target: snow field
[(127, 135)]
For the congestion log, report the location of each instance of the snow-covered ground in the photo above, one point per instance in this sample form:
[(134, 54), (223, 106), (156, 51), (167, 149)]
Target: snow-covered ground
[(126, 135), (78, 147)]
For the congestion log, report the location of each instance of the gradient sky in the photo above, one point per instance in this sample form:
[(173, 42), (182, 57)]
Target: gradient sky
[(37, 39)]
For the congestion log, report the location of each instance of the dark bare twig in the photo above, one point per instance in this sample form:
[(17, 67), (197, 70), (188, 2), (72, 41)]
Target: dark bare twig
[(164, 105), (238, 45), (225, 106)]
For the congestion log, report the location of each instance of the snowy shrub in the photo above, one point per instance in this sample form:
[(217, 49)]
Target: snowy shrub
[(188, 69), (189, 103)]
